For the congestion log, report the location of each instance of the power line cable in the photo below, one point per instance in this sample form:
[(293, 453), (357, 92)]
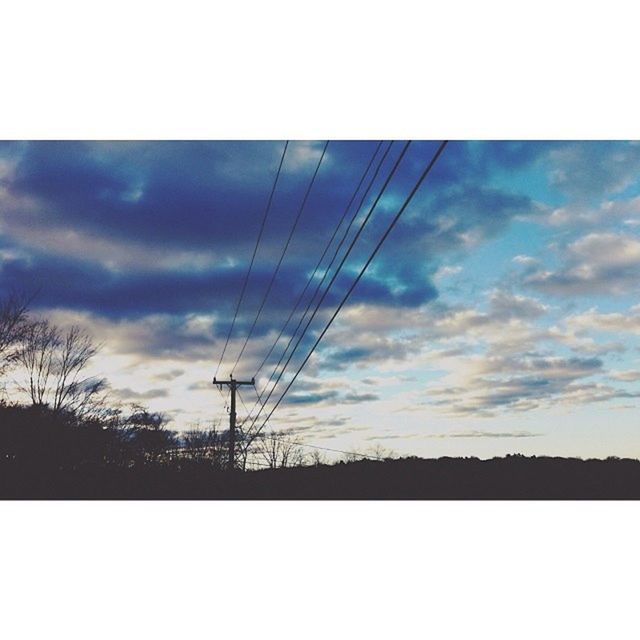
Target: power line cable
[(223, 411), (335, 276), (326, 273), (393, 223), (242, 401), (284, 251), (324, 253), (253, 256), (371, 456)]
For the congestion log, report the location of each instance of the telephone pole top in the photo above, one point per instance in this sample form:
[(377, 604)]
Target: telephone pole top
[(233, 386)]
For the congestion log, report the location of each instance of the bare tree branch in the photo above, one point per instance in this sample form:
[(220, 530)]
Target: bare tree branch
[(278, 450), (54, 362), (13, 322)]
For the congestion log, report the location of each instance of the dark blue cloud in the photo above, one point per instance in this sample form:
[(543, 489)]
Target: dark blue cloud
[(185, 194), (208, 198), (311, 398)]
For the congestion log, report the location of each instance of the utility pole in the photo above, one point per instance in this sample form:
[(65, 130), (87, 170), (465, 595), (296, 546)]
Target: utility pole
[(233, 385)]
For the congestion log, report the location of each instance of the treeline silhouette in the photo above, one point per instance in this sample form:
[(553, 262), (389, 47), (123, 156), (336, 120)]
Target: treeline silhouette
[(61, 437), (53, 454), (46, 457), (50, 454)]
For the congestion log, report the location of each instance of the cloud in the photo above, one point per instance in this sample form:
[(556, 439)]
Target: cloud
[(476, 433), (368, 350), (200, 385), (597, 263), (357, 398), (130, 394), (525, 260), (609, 212), (632, 375), (485, 386), (447, 220), (505, 306), (504, 363), (378, 335), (445, 271), (310, 398), (490, 361), (169, 375), (393, 436), (607, 322), (161, 233), (578, 340), (589, 169), (325, 395), (148, 244)]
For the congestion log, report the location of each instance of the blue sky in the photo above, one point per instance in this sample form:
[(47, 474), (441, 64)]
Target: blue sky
[(502, 314)]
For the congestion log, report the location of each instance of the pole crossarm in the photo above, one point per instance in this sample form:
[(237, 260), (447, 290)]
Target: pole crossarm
[(231, 382)]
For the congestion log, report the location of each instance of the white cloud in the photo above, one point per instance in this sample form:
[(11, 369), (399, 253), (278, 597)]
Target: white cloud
[(632, 375), (598, 263), (478, 433), (608, 212), (445, 271), (526, 260), (485, 388), (507, 305), (586, 169), (609, 322)]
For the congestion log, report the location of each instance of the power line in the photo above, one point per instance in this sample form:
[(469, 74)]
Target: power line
[(315, 446), (324, 253), (253, 257), (321, 282), (225, 401), (284, 251), (242, 402), (362, 271), (334, 277)]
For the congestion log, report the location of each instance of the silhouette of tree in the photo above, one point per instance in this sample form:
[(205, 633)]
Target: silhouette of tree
[(378, 451), (278, 450), (13, 322), (40, 342), (317, 458), (147, 434), (54, 361), (351, 456), (205, 445)]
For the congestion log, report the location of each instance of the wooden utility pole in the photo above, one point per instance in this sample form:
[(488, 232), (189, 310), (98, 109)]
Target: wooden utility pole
[(233, 386)]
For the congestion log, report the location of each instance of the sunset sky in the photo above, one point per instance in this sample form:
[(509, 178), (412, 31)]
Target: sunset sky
[(502, 314)]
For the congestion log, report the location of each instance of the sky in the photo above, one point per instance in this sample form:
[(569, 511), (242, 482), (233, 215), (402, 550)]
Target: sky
[(501, 315)]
